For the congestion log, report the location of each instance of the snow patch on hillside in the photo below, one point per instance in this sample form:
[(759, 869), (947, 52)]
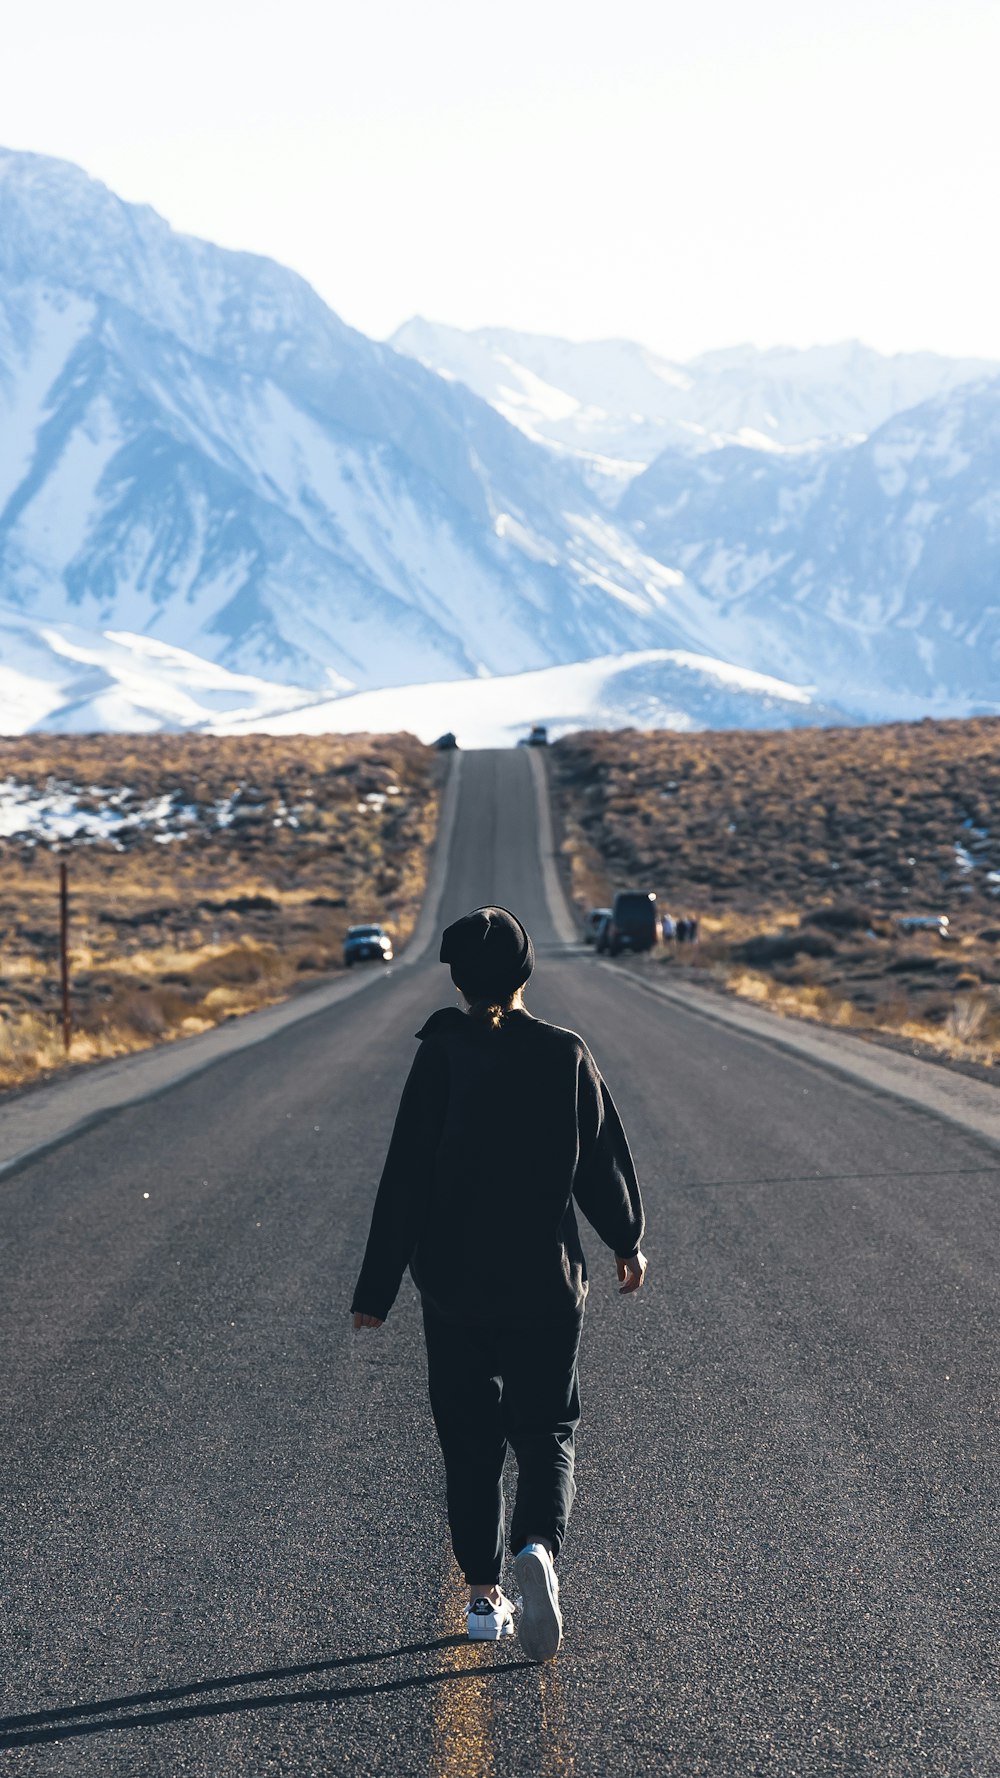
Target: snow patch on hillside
[(54, 324), (649, 688), (60, 677)]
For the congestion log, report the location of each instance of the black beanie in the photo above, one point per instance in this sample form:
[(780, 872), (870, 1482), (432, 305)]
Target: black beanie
[(490, 953)]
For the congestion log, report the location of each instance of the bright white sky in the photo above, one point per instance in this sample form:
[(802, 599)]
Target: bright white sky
[(688, 173)]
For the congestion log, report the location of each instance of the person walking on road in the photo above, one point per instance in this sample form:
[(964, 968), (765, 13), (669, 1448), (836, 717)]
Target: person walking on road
[(504, 1125)]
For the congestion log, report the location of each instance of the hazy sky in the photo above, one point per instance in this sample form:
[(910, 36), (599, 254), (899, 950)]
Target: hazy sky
[(689, 175)]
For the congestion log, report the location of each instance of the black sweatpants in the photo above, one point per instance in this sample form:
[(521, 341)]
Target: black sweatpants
[(491, 1387)]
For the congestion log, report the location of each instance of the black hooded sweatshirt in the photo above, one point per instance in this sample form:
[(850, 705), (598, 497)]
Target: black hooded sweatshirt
[(498, 1133)]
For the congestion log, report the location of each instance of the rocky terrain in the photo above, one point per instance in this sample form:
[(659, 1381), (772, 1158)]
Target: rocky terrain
[(810, 859), (207, 877)]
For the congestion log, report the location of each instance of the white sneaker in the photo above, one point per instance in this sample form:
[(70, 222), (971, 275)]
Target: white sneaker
[(540, 1628), (487, 1622)]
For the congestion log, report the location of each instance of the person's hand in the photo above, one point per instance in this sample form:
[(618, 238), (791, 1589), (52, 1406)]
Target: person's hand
[(365, 1321), (631, 1272)]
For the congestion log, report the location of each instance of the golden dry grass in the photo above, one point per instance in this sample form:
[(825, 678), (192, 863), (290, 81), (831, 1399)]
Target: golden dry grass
[(170, 935), (770, 837)]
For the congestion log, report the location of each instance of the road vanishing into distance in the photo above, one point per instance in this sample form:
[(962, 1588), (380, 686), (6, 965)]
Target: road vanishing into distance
[(224, 1546)]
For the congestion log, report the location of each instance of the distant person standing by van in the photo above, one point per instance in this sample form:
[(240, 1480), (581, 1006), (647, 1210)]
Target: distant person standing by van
[(504, 1125)]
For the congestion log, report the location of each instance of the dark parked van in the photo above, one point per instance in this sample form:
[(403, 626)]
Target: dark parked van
[(634, 925)]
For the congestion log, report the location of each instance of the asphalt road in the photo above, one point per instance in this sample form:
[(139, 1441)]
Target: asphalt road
[(224, 1548)]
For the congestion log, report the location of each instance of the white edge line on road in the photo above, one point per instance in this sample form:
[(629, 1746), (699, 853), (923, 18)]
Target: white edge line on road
[(562, 916), (973, 1104), (427, 919), (46, 1117)]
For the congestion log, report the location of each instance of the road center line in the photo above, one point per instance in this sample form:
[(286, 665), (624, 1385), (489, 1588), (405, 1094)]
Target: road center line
[(557, 1758), (463, 1717)]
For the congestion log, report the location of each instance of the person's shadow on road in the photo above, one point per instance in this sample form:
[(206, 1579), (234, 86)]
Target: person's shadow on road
[(75, 1719)]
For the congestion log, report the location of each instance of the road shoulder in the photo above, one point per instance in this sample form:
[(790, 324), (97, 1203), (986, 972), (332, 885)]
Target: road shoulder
[(972, 1104)]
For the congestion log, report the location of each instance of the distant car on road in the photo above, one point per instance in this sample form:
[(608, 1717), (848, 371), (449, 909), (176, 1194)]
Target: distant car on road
[(634, 924), (601, 933), (366, 944), (445, 743), (538, 736), (592, 924)]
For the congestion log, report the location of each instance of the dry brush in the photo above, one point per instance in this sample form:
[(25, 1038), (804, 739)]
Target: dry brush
[(803, 853), (208, 876)]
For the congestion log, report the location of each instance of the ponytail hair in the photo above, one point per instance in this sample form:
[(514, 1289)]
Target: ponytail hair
[(492, 1009)]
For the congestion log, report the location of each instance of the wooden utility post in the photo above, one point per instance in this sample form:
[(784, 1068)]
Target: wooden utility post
[(64, 952)]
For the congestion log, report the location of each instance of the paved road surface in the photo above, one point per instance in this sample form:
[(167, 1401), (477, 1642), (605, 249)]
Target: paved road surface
[(225, 1550)]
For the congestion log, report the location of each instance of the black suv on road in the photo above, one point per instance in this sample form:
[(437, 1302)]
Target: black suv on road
[(633, 925)]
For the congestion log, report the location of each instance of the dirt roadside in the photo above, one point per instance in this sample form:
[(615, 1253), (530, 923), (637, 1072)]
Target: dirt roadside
[(208, 877), (806, 856)]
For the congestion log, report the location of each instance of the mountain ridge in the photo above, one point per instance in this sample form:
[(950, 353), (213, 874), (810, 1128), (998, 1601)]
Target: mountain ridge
[(881, 560), (314, 504), (617, 398), (196, 451)]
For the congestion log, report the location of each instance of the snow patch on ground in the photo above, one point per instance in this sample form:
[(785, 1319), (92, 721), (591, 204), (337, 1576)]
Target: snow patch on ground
[(65, 812)]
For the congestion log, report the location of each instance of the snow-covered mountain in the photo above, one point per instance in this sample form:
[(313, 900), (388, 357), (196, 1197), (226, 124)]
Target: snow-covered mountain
[(873, 570), (613, 399), (70, 680), (195, 448), (218, 502), (63, 679), (651, 689)]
